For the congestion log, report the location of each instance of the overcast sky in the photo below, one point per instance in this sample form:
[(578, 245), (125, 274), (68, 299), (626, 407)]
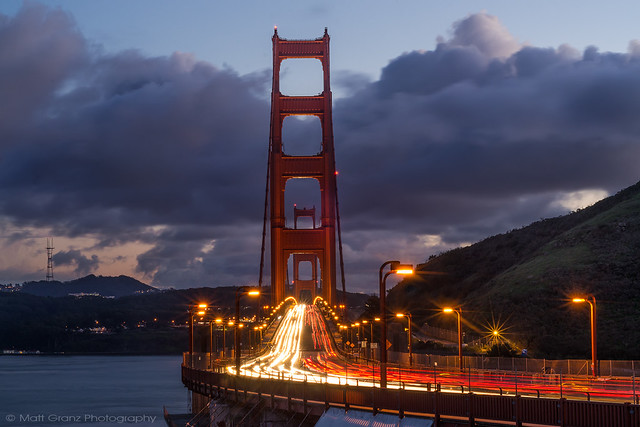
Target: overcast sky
[(135, 134)]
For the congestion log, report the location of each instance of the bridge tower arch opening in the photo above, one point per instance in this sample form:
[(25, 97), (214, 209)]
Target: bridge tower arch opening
[(317, 244)]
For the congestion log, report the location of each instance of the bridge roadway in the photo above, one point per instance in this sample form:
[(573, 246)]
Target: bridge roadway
[(327, 376)]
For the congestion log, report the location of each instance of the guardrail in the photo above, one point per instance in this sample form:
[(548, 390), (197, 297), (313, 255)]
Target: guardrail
[(572, 387), (435, 404)]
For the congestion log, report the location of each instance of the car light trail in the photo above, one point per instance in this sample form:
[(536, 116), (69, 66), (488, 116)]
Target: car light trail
[(285, 360)]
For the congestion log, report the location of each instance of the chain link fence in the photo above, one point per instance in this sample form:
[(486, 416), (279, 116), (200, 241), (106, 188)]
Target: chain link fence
[(612, 368)]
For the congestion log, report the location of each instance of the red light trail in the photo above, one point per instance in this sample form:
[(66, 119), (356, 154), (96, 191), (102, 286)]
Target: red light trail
[(325, 363)]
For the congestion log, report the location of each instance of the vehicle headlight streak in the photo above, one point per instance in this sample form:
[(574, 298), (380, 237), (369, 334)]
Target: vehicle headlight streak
[(283, 360), (284, 354)]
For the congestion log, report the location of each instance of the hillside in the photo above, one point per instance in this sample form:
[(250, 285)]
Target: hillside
[(527, 276), (102, 285)]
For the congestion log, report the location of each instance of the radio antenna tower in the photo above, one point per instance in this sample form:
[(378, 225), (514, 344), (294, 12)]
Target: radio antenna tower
[(49, 259)]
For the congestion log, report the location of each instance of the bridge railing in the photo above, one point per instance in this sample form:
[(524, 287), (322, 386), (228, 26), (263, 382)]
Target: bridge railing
[(621, 389), (433, 403), (608, 368), (541, 367)]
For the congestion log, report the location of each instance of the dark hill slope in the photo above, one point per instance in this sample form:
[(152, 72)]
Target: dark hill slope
[(526, 277), (102, 285)]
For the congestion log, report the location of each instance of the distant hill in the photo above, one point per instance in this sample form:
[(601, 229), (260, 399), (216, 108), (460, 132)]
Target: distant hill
[(101, 285), (526, 277)]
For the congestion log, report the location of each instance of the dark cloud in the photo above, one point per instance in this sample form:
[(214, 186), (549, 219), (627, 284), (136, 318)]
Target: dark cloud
[(39, 50), (82, 263), (480, 126), (477, 136)]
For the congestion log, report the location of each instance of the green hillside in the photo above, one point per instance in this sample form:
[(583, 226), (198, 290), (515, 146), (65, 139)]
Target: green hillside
[(526, 278)]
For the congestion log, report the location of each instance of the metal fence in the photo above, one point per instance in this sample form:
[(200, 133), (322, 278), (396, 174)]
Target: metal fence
[(435, 404), (612, 368), (608, 368)]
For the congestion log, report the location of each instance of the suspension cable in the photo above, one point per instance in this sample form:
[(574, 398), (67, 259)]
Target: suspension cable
[(266, 204), (344, 293)]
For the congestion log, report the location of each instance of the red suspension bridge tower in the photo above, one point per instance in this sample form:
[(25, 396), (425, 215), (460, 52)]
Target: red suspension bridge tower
[(318, 243)]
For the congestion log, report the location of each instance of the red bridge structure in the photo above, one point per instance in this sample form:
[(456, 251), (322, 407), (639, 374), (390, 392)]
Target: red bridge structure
[(316, 244), (299, 367)]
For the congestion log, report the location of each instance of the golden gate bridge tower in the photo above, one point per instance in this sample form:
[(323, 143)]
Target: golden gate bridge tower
[(318, 244)]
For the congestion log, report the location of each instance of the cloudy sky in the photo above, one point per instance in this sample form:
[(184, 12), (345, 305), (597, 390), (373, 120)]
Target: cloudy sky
[(135, 134)]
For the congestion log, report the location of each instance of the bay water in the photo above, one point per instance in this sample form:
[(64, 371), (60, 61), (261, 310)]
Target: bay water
[(74, 391)]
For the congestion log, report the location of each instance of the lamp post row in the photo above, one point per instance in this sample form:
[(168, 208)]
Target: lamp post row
[(241, 291), (395, 268)]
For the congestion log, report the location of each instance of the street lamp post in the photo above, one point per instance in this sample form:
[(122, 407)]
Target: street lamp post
[(211, 344), (242, 290), (351, 334), (408, 316), (459, 313), (594, 357), (193, 310), (344, 333), (375, 319), (191, 337), (224, 338), (370, 322), (219, 322), (397, 268), (258, 331)]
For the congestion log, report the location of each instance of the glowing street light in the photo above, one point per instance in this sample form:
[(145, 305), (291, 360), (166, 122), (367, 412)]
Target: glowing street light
[(408, 316), (371, 322), (394, 268), (258, 330), (192, 312), (594, 357), (220, 321), (459, 313), (242, 290)]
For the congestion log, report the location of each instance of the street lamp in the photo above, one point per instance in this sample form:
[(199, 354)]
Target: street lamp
[(211, 344), (219, 322), (397, 268), (224, 338), (408, 316), (367, 344), (594, 357), (375, 319), (351, 333), (242, 290), (258, 330), (459, 313), (345, 335), (341, 307), (193, 310)]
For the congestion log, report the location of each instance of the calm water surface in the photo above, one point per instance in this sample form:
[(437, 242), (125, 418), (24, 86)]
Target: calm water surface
[(89, 390)]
